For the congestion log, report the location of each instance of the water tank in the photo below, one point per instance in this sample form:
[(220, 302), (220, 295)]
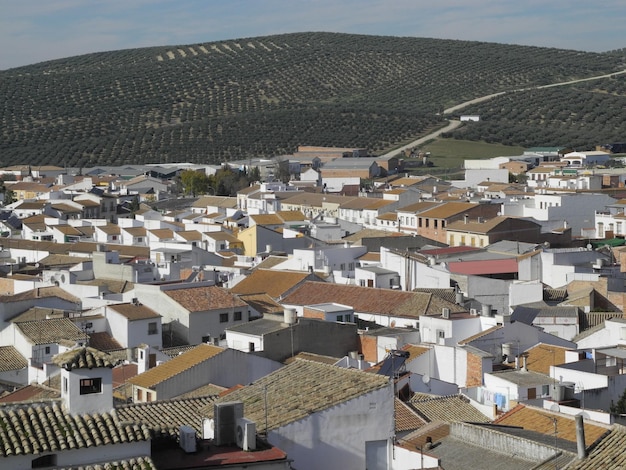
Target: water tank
[(289, 315), (486, 310)]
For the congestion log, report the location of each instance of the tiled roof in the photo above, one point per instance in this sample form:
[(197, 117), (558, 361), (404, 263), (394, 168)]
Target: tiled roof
[(11, 359), (479, 335), (41, 293), (189, 235), (39, 429), (275, 283), (262, 303), (162, 233), (449, 209), (414, 351), (132, 311), (266, 219), (540, 357), (406, 418), (103, 341), (313, 357), (607, 454), (370, 300), (51, 331), (136, 231), (176, 350), (448, 409), (67, 230), (542, 421), (30, 393), (554, 295), (134, 463), (448, 294), (208, 390), (110, 285), (175, 366), (291, 216), (166, 416), (300, 389), (84, 358), (200, 299), (109, 229)]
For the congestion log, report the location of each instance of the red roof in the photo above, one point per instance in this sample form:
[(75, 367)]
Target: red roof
[(491, 266)]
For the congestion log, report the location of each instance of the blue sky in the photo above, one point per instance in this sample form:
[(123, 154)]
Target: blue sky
[(36, 30)]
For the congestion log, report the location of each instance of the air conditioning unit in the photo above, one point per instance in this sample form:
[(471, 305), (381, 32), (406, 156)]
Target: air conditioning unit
[(246, 434), (473, 311), (226, 416), (187, 436)]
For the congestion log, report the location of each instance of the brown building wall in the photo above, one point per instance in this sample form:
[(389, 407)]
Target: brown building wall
[(368, 345), (310, 313), (474, 371)]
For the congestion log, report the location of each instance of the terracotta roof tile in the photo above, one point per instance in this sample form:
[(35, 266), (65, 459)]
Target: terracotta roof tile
[(540, 420), (319, 387), (262, 303), (607, 454), (11, 359), (134, 463), (370, 300), (539, 358), (166, 416), (51, 331), (32, 392), (448, 409), (103, 341), (200, 299), (132, 311), (406, 418), (84, 358), (273, 282), (175, 366), (266, 219), (447, 210), (41, 293), (33, 430)]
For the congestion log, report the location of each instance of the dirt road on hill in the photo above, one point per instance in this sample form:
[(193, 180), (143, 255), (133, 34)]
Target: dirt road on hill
[(453, 123)]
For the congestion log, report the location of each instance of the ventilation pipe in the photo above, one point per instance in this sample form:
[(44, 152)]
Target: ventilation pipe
[(580, 437)]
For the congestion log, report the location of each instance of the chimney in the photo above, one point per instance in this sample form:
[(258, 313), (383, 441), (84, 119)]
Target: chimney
[(580, 436), (524, 363), (466, 218)]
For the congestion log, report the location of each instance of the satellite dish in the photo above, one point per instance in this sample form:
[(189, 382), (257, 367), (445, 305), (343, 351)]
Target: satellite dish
[(589, 246), (555, 407), (426, 378)]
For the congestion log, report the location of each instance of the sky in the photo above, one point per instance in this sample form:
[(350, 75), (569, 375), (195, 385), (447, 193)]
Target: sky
[(33, 31)]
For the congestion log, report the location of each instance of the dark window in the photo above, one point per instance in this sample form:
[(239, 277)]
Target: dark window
[(88, 386), (223, 317), (44, 461), (47, 349), (237, 316), (152, 328), (251, 347)]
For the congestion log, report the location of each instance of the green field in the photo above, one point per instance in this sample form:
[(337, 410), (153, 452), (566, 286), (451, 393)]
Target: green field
[(450, 153)]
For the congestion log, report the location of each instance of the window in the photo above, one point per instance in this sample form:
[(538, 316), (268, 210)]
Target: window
[(139, 395), (152, 328), (339, 317), (223, 317), (237, 316), (139, 239), (65, 385), (251, 347), (47, 349), (88, 386), (441, 334)]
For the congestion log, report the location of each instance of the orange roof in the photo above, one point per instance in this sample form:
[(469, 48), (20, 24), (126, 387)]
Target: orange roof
[(200, 299), (275, 283), (179, 364), (449, 209), (542, 421)]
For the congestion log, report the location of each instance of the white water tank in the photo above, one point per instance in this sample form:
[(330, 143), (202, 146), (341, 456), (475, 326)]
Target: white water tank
[(289, 315)]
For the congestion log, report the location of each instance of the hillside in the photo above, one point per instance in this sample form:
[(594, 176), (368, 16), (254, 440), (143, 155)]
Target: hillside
[(263, 96)]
